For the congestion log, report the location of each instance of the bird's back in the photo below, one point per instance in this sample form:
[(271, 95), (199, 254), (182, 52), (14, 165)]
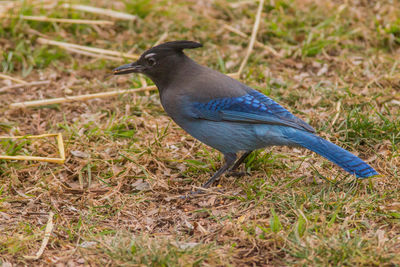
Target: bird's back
[(207, 94), (204, 84)]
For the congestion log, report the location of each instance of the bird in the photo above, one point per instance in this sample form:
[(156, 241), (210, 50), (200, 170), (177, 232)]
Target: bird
[(228, 115)]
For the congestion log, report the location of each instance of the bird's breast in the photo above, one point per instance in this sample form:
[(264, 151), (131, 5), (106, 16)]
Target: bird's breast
[(176, 105)]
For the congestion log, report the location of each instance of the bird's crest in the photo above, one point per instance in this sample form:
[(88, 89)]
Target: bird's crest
[(177, 46)]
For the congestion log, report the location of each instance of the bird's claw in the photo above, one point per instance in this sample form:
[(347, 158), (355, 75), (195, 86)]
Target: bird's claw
[(193, 193)]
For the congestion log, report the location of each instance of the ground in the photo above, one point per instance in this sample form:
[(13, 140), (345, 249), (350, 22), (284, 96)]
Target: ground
[(116, 200)]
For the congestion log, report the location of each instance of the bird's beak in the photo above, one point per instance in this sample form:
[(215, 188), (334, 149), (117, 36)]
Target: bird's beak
[(128, 68)]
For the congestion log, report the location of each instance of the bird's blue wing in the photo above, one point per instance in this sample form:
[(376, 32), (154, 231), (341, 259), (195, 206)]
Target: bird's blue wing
[(253, 107)]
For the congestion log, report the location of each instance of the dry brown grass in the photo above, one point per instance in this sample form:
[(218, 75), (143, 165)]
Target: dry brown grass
[(116, 199)]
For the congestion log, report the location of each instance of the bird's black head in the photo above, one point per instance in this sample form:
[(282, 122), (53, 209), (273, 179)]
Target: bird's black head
[(158, 61)]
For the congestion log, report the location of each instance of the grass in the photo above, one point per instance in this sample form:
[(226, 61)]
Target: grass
[(116, 199)]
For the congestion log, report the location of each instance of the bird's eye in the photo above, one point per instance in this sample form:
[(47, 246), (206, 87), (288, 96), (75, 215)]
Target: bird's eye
[(151, 61)]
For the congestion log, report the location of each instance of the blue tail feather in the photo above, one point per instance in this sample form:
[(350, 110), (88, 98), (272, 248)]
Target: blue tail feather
[(332, 152)]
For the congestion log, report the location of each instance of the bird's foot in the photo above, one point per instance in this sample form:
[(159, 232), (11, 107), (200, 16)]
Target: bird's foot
[(192, 194)]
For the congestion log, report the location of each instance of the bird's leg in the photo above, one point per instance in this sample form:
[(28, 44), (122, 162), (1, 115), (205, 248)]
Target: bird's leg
[(232, 171), (240, 160), (229, 161)]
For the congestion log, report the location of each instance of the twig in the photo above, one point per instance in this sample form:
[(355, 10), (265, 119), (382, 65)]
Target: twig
[(241, 3), (6, 77), (47, 233), (337, 112), (161, 39), (87, 48), (58, 20), (90, 54), (61, 148), (234, 75), (29, 136), (257, 43), (102, 11), (60, 144), (238, 32), (35, 32), (253, 37), (17, 4), (79, 97), (16, 86), (33, 158)]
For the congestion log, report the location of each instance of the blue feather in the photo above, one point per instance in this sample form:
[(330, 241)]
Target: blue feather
[(253, 107), (334, 153)]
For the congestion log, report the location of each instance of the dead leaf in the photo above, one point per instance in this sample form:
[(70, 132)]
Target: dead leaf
[(141, 185), (79, 154)]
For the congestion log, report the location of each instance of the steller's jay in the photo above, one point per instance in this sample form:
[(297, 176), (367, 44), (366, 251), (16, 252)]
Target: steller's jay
[(226, 114)]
